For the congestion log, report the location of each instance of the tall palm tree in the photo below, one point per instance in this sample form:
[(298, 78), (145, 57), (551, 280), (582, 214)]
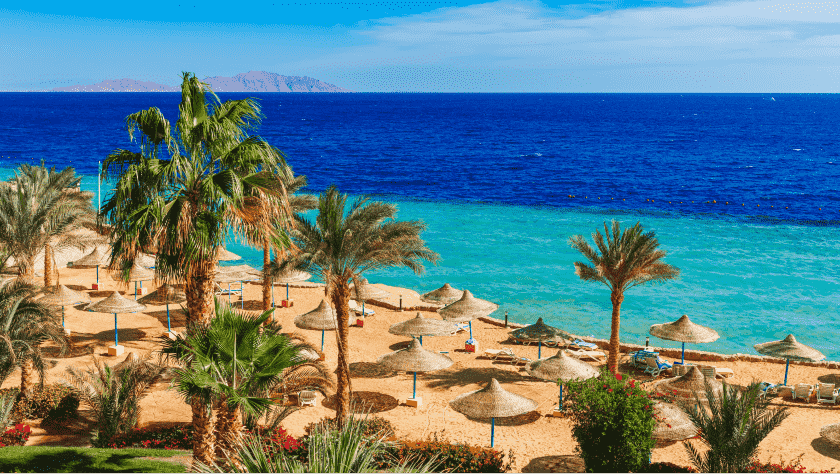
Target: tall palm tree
[(237, 357), (626, 259), (343, 243), (24, 326), (39, 211), (186, 189), (732, 427)]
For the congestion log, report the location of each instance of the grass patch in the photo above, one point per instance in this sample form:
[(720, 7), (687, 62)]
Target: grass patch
[(61, 459)]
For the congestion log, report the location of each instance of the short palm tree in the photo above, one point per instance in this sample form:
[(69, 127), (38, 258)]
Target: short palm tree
[(40, 211), (343, 243), (114, 394), (25, 325), (621, 260), (234, 360), (186, 189), (732, 427)]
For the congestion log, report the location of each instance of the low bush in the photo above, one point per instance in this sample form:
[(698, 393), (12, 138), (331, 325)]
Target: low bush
[(278, 440), (452, 457), (373, 426), (656, 467), (18, 435), (170, 437), (40, 402), (63, 414), (781, 466)]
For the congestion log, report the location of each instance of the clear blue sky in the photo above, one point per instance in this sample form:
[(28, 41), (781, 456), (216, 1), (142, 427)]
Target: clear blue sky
[(434, 45)]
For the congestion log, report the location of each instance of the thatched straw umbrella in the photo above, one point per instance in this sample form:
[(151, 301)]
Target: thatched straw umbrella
[(539, 331), (365, 291), (322, 318), (467, 308), (415, 359), (675, 424), (115, 304), (683, 330), (94, 259), (831, 433), (63, 296), (685, 387), (231, 277), (419, 326), (789, 348), (289, 276), (223, 255), (445, 294), (492, 402), (166, 294), (140, 274), (562, 367)]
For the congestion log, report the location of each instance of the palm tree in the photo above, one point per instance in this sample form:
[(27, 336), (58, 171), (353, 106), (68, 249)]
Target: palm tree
[(344, 243), (625, 260), (40, 210), (114, 394), (184, 188), (234, 360), (24, 326), (732, 427)]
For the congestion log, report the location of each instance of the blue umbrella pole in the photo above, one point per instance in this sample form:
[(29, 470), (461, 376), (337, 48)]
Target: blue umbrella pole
[(683, 354), (287, 291), (363, 314), (421, 340), (787, 366), (97, 275), (272, 294), (492, 430), (135, 290), (560, 405), (470, 329), (242, 293), (539, 349), (168, 325), (62, 316), (414, 393), (116, 339), (322, 341), (228, 294)]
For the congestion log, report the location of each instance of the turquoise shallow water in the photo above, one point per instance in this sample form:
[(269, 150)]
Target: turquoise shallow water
[(751, 282)]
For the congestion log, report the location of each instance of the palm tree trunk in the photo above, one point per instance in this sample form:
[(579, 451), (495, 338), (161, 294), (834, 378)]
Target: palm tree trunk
[(222, 420), (26, 378), (203, 440), (612, 360), (199, 291), (49, 259), (266, 293), (341, 299)]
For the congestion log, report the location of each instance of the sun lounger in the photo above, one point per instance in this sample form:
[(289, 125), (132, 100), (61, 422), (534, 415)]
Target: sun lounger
[(765, 388), (462, 327), (803, 391), (225, 291), (594, 356), (638, 358), (505, 355), (827, 393), (724, 372), (578, 344), (307, 397), (357, 308), (708, 371), (656, 366)]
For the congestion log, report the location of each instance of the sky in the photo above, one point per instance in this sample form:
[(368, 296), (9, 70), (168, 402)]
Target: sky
[(432, 46)]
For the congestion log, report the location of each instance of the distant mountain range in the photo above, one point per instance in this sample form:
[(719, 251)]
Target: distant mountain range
[(254, 81)]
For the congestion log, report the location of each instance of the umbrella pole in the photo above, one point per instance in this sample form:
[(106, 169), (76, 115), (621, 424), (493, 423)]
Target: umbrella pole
[(287, 291), (683, 354), (539, 349), (168, 325), (470, 329), (272, 295), (414, 394), (787, 365), (62, 316), (560, 405), (492, 430), (242, 293), (421, 340), (116, 339), (322, 341), (135, 290), (97, 275), (228, 294)]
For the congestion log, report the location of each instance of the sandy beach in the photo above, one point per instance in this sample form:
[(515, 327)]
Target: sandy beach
[(539, 442)]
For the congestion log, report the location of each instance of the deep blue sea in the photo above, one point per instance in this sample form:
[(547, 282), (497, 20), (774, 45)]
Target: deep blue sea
[(743, 191)]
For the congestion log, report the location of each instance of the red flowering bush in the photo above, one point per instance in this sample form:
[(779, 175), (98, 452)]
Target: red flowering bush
[(451, 457), (656, 467), (612, 423), (16, 436), (781, 466)]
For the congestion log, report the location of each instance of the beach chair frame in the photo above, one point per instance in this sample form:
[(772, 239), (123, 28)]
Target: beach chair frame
[(803, 391), (827, 393), (307, 397)]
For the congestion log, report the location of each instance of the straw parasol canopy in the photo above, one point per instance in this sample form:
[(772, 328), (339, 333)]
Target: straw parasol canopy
[(445, 294), (685, 386), (94, 259), (223, 255), (140, 273), (116, 304), (415, 359), (831, 433), (492, 401), (672, 423), (420, 326), (365, 291), (467, 308), (683, 330), (789, 348), (145, 260), (322, 318), (561, 366), (166, 294), (63, 296), (230, 277), (291, 276), (539, 331)]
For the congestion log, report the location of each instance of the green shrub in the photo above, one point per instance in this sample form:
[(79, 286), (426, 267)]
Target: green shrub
[(612, 423), (450, 457), (372, 426), (170, 437), (40, 402), (63, 414)]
